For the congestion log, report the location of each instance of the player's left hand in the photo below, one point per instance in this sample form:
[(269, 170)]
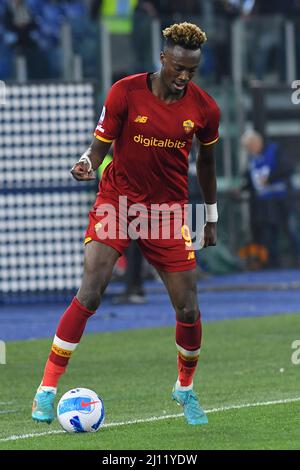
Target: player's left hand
[(210, 234)]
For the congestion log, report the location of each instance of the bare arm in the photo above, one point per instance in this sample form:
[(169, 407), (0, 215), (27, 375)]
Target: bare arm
[(96, 153), (206, 172)]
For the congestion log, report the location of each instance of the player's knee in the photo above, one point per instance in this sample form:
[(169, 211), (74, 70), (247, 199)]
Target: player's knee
[(90, 293), (92, 287), (90, 299), (186, 306), (187, 314)]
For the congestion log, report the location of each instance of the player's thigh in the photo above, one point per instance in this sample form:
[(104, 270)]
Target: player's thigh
[(99, 260), (182, 289)]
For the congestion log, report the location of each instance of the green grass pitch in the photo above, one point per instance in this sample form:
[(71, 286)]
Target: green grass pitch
[(245, 365)]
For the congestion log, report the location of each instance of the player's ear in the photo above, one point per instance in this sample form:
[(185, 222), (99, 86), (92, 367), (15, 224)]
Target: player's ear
[(162, 57)]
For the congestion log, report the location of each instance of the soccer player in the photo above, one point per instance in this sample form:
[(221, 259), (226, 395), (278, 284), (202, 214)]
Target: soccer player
[(151, 118)]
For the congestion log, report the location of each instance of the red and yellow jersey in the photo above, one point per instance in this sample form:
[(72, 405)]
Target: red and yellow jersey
[(152, 140)]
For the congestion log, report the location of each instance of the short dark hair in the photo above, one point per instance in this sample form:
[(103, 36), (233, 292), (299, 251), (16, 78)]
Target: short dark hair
[(186, 35)]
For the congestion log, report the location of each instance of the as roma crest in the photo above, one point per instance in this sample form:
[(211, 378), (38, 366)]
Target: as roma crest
[(188, 126)]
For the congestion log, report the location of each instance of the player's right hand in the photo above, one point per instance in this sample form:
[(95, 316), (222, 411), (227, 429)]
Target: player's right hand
[(80, 171)]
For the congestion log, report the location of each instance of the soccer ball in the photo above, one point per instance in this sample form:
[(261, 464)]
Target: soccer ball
[(80, 410)]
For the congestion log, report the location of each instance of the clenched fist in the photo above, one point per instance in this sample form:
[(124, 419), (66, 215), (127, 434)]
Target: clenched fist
[(80, 171)]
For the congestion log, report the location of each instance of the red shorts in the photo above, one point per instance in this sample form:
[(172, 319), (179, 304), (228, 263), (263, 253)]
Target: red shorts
[(164, 241)]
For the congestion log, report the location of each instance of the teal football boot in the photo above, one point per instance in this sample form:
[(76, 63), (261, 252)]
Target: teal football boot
[(43, 406), (191, 407)]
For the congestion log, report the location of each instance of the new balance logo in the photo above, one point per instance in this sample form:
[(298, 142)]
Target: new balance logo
[(141, 119)]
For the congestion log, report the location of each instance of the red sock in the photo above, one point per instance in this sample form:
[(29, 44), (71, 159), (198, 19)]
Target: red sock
[(52, 373), (188, 342), (68, 334)]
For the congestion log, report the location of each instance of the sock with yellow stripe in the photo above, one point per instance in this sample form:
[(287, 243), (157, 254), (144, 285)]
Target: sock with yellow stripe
[(188, 342), (67, 337)]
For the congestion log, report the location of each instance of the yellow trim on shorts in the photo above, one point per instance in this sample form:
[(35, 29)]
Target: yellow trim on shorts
[(87, 239)]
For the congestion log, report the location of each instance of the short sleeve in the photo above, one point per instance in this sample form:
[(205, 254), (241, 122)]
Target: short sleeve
[(210, 133), (113, 114)]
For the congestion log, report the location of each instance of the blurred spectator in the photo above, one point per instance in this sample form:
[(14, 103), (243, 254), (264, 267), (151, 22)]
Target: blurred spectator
[(33, 29), (20, 34), (271, 212), (20, 25), (116, 14)]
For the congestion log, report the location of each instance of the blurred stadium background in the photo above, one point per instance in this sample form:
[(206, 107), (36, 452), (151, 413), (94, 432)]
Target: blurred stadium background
[(57, 62)]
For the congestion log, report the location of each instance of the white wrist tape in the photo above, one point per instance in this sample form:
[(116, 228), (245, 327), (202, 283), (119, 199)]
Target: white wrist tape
[(84, 158), (211, 212)]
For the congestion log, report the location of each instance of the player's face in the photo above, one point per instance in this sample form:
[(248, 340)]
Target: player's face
[(179, 65)]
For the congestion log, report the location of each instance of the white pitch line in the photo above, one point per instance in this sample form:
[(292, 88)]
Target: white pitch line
[(8, 411), (27, 436), (158, 418), (253, 405)]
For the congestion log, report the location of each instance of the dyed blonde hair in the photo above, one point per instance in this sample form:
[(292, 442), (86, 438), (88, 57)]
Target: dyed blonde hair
[(185, 34)]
